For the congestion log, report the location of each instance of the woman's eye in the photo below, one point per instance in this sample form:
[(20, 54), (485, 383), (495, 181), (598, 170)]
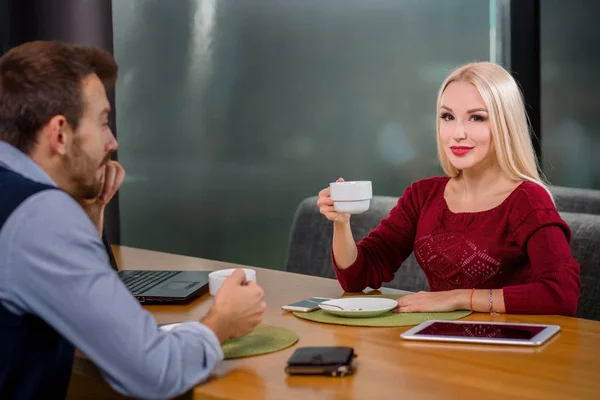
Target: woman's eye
[(446, 117)]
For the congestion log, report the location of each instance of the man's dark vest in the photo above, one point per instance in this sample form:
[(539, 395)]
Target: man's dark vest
[(35, 360)]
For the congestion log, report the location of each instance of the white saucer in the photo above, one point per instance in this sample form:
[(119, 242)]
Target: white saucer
[(359, 307)]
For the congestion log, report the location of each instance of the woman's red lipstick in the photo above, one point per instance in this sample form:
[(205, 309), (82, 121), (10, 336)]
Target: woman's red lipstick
[(460, 150)]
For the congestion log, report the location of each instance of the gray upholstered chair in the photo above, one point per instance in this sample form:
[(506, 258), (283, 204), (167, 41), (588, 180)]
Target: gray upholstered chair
[(310, 249), (585, 246), (310, 243), (574, 200)]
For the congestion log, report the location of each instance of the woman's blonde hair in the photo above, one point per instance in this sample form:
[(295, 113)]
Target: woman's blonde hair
[(508, 121)]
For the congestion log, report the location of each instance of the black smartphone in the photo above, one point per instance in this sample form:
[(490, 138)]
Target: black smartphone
[(329, 360)]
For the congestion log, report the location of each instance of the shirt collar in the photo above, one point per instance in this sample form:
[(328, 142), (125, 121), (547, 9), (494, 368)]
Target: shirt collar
[(19, 162)]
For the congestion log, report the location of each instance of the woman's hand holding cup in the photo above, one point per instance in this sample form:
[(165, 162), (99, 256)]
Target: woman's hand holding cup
[(325, 204)]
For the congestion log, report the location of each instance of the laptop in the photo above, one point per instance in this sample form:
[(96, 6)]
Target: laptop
[(161, 287)]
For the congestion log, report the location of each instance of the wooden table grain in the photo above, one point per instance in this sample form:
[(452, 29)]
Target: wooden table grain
[(567, 367)]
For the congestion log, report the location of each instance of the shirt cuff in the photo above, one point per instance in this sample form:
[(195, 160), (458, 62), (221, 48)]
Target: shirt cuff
[(207, 334)]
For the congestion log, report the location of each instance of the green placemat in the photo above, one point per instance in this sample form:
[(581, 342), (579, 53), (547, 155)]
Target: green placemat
[(264, 339), (388, 319)]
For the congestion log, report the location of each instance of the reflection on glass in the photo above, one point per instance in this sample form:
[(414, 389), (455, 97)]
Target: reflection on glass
[(570, 87), (231, 112)]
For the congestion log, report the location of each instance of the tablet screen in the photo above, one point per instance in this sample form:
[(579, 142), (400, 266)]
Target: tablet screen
[(480, 330)]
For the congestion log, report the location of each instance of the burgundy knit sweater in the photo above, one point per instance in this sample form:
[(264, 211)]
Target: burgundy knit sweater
[(522, 246)]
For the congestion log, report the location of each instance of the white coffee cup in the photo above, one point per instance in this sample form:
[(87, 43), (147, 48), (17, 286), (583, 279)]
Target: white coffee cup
[(216, 278), (352, 197)]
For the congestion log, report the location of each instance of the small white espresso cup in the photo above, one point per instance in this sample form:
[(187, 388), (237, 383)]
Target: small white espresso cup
[(216, 278), (352, 197)]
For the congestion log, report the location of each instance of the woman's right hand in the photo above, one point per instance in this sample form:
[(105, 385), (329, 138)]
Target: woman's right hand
[(326, 206)]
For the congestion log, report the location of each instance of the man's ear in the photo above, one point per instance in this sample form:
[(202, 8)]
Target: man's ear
[(57, 132)]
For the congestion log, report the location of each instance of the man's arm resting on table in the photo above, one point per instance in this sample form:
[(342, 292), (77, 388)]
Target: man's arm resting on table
[(60, 272)]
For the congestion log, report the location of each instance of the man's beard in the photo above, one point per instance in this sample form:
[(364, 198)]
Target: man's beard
[(83, 171)]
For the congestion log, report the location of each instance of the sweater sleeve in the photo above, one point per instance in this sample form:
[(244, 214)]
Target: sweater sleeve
[(383, 250), (554, 281)]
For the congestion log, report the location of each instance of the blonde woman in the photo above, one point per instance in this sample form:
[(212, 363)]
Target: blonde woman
[(487, 235)]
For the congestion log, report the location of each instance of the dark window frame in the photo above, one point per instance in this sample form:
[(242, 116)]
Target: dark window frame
[(525, 61)]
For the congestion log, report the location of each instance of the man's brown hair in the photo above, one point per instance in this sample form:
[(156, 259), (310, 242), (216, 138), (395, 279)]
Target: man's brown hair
[(42, 79)]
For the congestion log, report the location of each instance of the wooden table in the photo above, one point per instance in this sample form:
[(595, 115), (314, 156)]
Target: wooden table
[(567, 367)]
